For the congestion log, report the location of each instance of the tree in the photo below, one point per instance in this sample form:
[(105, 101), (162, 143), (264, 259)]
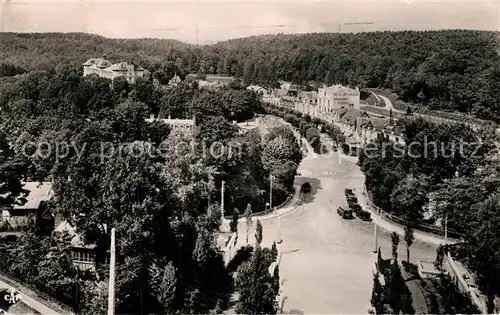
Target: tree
[(164, 285), (378, 298), (409, 196), (233, 225), (395, 244), (248, 218), (257, 288), (482, 246), (258, 233), (274, 251), (409, 238), (10, 173), (440, 253)]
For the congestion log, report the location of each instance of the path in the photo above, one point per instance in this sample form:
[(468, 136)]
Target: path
[(417, 294), (29, 301)]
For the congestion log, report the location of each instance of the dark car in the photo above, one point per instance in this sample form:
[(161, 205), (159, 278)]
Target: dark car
[(356, 208), (349, 192), (345, 213), (364, 215)]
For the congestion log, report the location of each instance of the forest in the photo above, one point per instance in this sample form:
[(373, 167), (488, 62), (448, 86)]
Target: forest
[(165, 207), (452, 70)]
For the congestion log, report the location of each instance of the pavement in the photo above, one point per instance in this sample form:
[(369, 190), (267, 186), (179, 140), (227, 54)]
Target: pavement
[(29, 302), (327, 262), (417, 293)]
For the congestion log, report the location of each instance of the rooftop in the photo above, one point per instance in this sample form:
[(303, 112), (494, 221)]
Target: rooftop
[(76, 240), (37, 193), (174, 121)]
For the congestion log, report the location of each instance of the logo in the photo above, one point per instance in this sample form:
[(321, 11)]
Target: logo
[(13, 297)]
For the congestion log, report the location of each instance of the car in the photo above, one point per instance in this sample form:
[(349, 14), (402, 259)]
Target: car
[(364, 215), (345, 213)]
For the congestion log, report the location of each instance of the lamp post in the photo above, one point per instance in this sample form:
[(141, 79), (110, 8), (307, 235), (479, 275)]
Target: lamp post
[(271, 191), (375, 250)]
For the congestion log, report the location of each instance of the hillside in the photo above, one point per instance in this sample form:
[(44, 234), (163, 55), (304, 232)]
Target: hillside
[(453, 70)]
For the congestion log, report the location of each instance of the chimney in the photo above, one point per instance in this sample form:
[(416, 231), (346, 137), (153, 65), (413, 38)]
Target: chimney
[(169, 118), (152, 116)]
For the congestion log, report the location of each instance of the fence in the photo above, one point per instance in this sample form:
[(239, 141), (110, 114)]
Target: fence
[(229, 250), (457, 275), (420, 226), (256, 214), (40, 293)]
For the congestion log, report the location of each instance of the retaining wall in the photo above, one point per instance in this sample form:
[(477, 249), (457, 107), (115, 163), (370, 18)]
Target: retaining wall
[(421, 227)]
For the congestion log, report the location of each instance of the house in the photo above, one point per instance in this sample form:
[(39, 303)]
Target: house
[(307, 103), (258, 89), (106, 69), (220, 79), (31, 205), (83, 254), (184, 126), (337, 96), (210, 85), (174, 81)]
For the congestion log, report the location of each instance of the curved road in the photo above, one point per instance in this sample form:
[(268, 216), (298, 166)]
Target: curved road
[(327, 262)]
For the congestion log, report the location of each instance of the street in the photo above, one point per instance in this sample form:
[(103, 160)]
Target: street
[(327, 262)]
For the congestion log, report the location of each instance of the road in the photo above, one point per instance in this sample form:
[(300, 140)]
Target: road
[(27, 305), (327, 262)]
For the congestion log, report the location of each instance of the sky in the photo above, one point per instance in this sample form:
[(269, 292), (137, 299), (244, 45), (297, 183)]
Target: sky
[(210, 21)]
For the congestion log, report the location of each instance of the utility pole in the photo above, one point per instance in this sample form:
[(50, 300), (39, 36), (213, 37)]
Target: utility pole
[(446, 230), (271, 192), (375, 250), (222, 202), (112, 262)]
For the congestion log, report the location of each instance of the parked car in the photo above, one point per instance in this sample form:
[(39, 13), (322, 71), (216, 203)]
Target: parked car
[(364, 215), (356, 208), (345, 213), (349, 192)]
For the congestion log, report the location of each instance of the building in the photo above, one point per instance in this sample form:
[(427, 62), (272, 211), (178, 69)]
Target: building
[(174, 81), (258, 89), (307, 103), (83, 255), (337, 96), (184, 126), (31, 205), (106, 69)]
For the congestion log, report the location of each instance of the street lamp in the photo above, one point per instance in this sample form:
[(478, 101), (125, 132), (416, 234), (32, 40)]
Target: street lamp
[(271, 191)]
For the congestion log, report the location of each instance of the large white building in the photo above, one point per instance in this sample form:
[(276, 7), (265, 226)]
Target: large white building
[(106, 69), (184, 126), (337, 96)]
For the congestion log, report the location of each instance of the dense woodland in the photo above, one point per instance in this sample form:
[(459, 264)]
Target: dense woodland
[(164, 203), (455, 70), (170, 203)]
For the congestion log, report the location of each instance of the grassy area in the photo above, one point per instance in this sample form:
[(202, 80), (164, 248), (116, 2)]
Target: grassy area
[(422, 109), (370, 99), (393, 97)]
